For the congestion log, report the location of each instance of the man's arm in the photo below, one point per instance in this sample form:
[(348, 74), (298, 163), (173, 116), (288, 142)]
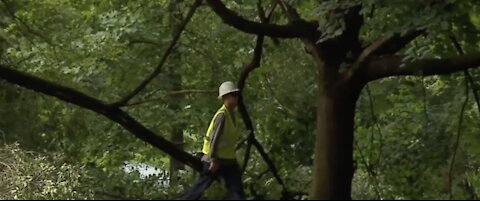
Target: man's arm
[(217, 133)]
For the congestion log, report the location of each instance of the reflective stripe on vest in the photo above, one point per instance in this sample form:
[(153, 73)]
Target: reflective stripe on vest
[(227, 142)]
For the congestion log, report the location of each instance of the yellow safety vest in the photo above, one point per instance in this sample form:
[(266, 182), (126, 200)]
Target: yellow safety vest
[(227, 142)]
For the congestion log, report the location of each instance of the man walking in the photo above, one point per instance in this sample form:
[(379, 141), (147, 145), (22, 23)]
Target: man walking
[(219, 160)]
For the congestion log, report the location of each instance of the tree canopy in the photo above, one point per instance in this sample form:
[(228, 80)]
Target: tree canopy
[(361, 99)]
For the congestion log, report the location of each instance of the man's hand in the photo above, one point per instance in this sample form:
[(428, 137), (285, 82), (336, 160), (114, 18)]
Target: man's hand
[(214, 166)]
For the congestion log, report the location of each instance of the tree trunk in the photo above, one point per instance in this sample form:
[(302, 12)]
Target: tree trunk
[(333, 162)]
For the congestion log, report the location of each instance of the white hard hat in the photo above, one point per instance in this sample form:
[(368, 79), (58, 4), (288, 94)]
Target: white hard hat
[(226, 88)]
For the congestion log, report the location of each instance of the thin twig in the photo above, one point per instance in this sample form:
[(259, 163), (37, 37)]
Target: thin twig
[(255, 63), (247, 155), (376, 124), (239, 145), (262, 174), (173, 93), (474, 89), (369, 172), (207, 56), (368, 167), (269, 162), (450, 173), (6, 165), (468, 80), (467, 73), (22, 22), (285, 109), (425, 109), (158, 69)]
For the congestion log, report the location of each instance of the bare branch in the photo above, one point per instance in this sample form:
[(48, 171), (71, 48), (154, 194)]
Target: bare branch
[(467, 73), (290, 12), (375, 120), (143, 41), (457, 142), (388, 66), (295, 29), (22, 22), (114, 114), (311, 46), (6, 165), (28, 30), (247, 156), (173, 93), (190, 91), (370, 171), (144, 83), (251, 140)]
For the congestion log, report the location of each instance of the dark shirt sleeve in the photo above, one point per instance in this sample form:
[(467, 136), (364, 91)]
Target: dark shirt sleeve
[(217, 133)]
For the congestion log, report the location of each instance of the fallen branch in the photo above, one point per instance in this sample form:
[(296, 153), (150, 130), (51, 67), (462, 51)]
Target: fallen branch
[(114, 114)]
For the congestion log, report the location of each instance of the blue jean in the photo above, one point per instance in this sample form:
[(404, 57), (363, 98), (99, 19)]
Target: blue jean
[(230, 173)]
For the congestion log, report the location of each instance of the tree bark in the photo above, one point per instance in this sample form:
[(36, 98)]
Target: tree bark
[(297, 29), (333, 160)]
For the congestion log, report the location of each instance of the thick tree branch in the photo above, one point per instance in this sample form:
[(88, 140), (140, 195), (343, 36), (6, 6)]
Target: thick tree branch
[(366, 53), (396, 42), (294, 29), (311, 46), (158, 69), (384, 45), (353, 23), (382, 67), (114, 114)]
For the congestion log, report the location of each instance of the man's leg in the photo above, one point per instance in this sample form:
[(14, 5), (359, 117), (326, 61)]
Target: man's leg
[(233, 182), (196, 191)]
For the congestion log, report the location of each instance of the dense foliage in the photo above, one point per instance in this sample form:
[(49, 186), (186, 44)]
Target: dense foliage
[(406, 129)]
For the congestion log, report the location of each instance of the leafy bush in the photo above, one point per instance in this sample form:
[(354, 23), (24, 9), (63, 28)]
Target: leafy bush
[(28, 175)]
